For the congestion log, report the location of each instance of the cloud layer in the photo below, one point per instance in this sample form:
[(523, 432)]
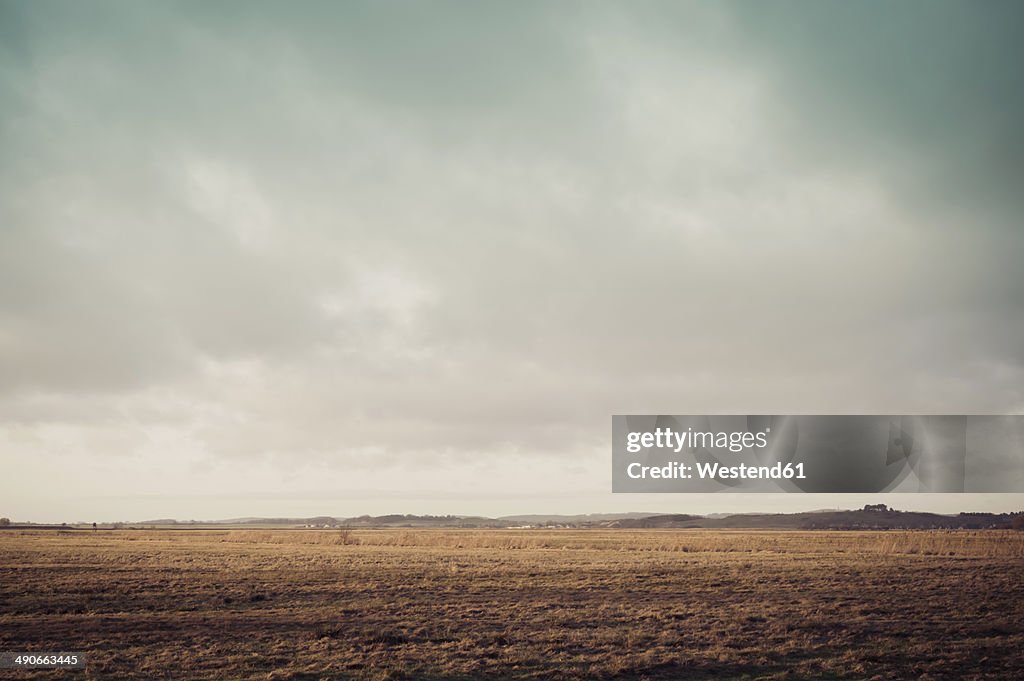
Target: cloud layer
[(251, 249)]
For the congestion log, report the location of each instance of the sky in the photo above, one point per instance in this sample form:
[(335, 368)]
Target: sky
[(288, 259)]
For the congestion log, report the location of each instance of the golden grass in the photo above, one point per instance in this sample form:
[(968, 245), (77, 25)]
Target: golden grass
[(517, 604), (985, 543)]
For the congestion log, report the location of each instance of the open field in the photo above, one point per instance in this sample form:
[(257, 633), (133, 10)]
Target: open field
[(517, 604)]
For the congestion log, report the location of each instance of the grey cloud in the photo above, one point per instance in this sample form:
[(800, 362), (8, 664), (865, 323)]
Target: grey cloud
[(462, 232)]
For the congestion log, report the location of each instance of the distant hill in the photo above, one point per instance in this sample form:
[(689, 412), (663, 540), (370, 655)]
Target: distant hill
[(540, 519), (424, 521), (675, 520), (828, 520), (872, 517)]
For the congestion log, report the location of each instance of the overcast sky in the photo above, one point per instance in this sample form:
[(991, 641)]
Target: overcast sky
[(344, 258)]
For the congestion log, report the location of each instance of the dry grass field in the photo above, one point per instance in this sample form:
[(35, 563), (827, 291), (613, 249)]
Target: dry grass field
[(517, 604)]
